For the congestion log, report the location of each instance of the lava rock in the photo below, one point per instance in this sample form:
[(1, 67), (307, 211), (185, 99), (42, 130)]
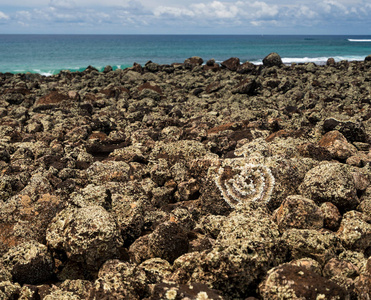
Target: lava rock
[(331, 182), (29, 262), (88, 235), (292, 282), (272, 60)]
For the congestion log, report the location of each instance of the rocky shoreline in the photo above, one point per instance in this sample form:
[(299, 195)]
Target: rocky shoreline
[(187, 181)]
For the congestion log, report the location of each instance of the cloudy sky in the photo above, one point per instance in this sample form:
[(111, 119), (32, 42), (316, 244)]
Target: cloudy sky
[(186, 16)]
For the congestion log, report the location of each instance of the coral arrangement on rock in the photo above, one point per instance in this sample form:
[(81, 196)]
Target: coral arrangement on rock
[(187, 181)]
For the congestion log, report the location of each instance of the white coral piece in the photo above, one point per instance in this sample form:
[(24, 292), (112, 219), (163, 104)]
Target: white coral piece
[(240, 181)]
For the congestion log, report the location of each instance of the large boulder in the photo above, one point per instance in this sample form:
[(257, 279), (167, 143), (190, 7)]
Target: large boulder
[(192, 62), (331, 182), (87, 235), (272, 60), (231, 64), (247, 246)]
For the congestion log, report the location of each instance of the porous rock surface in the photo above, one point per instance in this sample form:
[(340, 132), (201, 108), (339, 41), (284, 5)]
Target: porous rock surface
[(138, 183)]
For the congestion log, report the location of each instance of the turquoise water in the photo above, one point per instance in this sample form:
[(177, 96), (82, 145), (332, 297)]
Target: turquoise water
[(48, 54)]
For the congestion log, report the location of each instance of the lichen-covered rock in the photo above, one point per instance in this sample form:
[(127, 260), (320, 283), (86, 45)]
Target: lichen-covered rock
[(175, 151), (38, 185), (139, 164), (292, 282), (129, 212), (119, 280), (196, 291), (319, 245), (29, 262), (211, 225), (9, 290), (78, 287), (299, 212), (92, 195), (88, 234), (355, 231), (331, 182), (5, 275), (157, 270), (237, 255), (62, 295), (107, 171)]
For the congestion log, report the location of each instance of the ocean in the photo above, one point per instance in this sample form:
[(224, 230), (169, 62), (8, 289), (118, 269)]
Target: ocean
[(49, 54)]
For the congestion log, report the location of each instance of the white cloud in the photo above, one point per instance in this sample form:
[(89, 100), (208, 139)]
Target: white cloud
[(189, 15), (63, 4), (173, 11), (3, 16), (264, 10)]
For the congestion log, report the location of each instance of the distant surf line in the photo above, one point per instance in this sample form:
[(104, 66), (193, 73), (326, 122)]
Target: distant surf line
[(359, 40)]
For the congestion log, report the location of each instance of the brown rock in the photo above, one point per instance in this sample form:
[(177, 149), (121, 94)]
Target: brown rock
[(139, 251), (192, 62), (51, 100), (352, 131), (246, 86), (314, 151), (331, 182), (309, 264), (363, 282), (136, 67), (292, 282), (332, 216), (214, 87), (272, 59), (211, 65), (337, 145), (246, 67), (150, 86), (168, 241), (299, 212), (330, 62), (231, 64), (341, 272)]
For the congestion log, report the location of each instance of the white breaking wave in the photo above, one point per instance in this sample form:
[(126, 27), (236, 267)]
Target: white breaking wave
[(359, 40), (316, 60)]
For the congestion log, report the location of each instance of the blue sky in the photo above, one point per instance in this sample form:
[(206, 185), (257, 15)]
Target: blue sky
[(186, 16)]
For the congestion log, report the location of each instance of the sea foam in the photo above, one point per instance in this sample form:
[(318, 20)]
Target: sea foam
[(359, 40)]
